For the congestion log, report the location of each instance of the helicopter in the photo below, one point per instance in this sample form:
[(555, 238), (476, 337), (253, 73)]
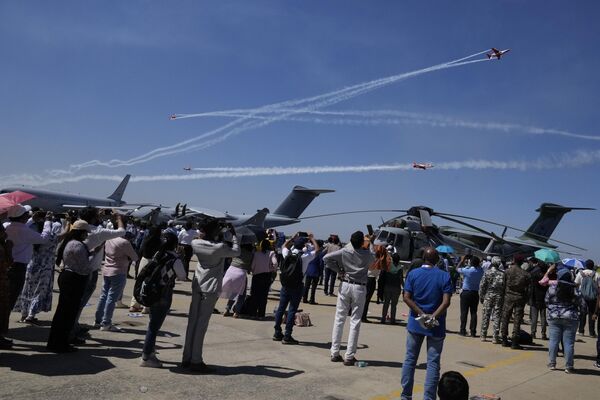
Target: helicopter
[(414, 229)]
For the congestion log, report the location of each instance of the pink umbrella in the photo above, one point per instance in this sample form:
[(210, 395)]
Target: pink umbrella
[(8, 200)]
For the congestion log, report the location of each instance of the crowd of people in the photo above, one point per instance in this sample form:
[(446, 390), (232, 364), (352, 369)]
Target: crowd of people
[(90, 244)]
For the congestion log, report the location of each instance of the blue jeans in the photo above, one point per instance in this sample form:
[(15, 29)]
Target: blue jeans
[(158, 313), (434, 354), (562, 329), (112, 289), (292, 297)]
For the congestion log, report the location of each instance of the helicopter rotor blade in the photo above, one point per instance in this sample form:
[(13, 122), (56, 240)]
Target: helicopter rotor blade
[(349, 212), (507, 226), (491, 234)]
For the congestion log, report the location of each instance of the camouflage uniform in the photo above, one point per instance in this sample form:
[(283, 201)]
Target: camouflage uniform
[(516, 294), (491, 293)]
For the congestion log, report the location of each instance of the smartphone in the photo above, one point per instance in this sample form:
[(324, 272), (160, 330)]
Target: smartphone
[(303, 234), (370, 229)]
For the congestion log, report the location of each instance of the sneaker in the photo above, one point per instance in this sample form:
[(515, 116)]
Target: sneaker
[(135, 309), (497, 340), (552, 367), (350, 362), (544, 337), (569, 370), (289, 340), (110, 328), (597, 364), (483, 338), (151, 362), (97, 325), (337, 358), (593, 335), (278, 336), (579, 333), (462, 333), (227, 313)]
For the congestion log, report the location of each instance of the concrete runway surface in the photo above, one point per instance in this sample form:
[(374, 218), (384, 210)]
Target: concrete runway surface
[(252, 366)]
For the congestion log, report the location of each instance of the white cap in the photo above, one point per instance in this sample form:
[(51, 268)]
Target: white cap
[(18, 210)]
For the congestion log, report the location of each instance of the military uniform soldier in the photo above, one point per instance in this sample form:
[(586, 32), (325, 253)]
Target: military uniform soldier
[(518, 283), (491, 295)]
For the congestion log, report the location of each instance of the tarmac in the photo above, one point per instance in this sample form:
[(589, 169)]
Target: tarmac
[(250, 365)]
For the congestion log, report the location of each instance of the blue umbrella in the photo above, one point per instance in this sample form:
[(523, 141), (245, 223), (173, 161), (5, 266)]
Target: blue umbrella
[(547, 255), (444, 249), (573, 263)]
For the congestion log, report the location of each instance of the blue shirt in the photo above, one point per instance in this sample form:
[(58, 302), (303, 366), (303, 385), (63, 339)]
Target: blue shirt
[(471, 277), (315, 267), (427, 286)]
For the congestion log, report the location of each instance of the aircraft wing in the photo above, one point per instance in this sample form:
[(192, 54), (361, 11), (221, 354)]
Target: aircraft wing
[(207, 213)]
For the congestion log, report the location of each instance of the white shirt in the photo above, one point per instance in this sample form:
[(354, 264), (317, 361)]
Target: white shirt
[(306, 257), (186, 236), (96, 238), (23, 238)]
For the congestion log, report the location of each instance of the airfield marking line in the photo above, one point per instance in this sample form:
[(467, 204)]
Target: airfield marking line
[(468, 373)]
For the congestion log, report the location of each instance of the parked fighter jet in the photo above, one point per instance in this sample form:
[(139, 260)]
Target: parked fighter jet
[(422, 166), (58, 202), (495, 53)]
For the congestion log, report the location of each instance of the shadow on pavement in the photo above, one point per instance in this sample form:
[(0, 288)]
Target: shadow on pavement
[(49, 364), (327, 345), (272, 371), (391, 364), (584, 371)]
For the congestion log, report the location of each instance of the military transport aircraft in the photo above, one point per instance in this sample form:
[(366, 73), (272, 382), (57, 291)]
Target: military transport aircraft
[(495, 53), (288, 212)]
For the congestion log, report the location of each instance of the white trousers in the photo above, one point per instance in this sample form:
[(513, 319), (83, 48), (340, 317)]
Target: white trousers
[(350, 297), (201, 309)]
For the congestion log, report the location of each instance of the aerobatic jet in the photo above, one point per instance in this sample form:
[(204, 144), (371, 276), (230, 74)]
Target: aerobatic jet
[(495, 53), (422, 166), (187, 168)]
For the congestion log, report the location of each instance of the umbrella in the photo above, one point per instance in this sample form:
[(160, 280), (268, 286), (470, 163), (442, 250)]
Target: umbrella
[(573, 263), (445, 249), (547, 256), (8, 200)]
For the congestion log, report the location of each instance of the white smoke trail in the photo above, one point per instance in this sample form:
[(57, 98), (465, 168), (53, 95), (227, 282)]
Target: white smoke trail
[(566, 160), (245, 123), (394, 117)]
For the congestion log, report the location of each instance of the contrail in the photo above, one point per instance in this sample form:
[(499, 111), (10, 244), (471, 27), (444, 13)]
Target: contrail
[(566, 160), (246, 123), (394, 117)]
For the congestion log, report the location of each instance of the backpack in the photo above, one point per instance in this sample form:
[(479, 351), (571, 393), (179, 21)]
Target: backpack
[(151, 282), (291, 270), (589, 290)]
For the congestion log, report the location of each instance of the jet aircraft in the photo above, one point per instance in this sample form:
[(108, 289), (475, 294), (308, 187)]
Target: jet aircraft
[(495, 53), (187, 168), (423, 166), (58, 202)]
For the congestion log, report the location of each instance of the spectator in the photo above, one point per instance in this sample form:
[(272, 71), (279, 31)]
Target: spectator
[(564, 301), (352, 262), (329, 276), (158, 311), (453, 386), (518, 283), (263, 265), (211, 252), (427, 292), (392, 281), (313, 271), (469, 296), (119, 254), (72, 283), (5, 264), (588, 281)]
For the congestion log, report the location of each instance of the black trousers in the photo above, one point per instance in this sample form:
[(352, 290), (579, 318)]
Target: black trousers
[(16, 280), (188, 252), (591, 309), (371, 283), (329, 281), (310, 283), (469, 299), (71, 286), (259, 292)]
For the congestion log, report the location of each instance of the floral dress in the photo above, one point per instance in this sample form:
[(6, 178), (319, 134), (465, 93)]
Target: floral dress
[(36, 296)]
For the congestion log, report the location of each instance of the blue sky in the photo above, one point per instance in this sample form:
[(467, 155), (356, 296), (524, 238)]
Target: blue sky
[(97, 81)]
